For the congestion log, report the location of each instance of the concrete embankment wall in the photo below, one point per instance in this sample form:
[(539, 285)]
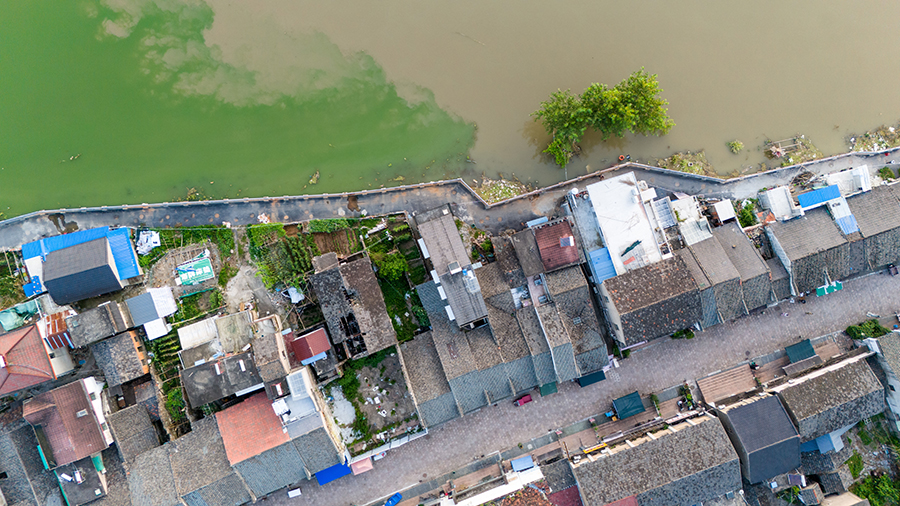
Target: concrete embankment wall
[(511, 213)]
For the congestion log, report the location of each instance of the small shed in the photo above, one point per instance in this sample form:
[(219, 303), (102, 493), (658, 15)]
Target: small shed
[(628, 405)]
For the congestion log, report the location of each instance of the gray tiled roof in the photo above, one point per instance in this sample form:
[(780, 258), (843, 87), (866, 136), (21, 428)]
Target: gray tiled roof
[(548, 314), (876, 211), (329, 289), (531, 330), (693, 465), (133, 431), (764, 436), (198, 458), (203, 384), (649, 285), (439, 410), (580, 319), (266, 351), (693, 268), (118, 492), (450, 342), (368, 305), (890, 350), (527, 252), (151, 481), (118, 358), (543, 368), (81, 271), (469, 391), (714, 261), (564, 362), (831, 398), (484, 349), (443, 241), (495, 382), (506, 330), (423, 368), (95, 324), (27, 483), (565, 279), (781, 282), (272, 470), (807, 235), (506, 257), (492, 280), (521, 374), (743, 254), (317, 450)]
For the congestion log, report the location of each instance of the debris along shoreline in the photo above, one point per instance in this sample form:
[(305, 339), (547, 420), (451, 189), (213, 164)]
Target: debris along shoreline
[(408, 198)]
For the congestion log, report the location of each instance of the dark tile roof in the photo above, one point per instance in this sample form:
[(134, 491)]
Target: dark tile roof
[(715, 263), (272, 469), (492, 279), (368, 305), (552, 324), (743, 254), (531, 330), (105, 320), (86, 491), (764, 433), (565, 280), (27, 362), (133, 431), (151, 480), (203, 384), (443, 242), (81, 271), (694, 268), (26, 482), (450, 342), (464, 296), (556, 244), (522, 374), (505, 328), (831, 398), (423, 368), (325, 262), (649, 285), (250, 428), (564, 362), (580, 319), (118, 358), (527, 252), (118, 493), (890, 350), (317, 450), (484, 348), (807, 235), (505, 254), (876, 211), (695, 464), (234, 331), (330, 291), (65, 417), (469, 391), (142, 309), (439, 410), (269, 351), (199, 460), (558, 475)]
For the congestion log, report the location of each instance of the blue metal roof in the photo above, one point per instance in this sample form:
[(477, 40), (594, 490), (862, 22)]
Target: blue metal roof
[(119, 242), (522, 463), (34, 287), (818, 197), (847, 224), (603, 267), (332, 473)]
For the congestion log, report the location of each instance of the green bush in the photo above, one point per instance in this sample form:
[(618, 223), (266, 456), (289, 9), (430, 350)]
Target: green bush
[(746, 214), (864, 437), (175, 405), (886, 173), (735, 146), (391, 266), (880, 491), (683, 334), (855, 464), (328, 225), (870, 328), (226, 273)]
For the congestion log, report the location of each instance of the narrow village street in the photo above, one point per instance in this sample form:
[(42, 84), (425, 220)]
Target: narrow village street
[(651, 369)]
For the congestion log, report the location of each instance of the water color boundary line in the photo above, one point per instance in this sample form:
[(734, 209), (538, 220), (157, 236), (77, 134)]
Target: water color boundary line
[(31, 226)]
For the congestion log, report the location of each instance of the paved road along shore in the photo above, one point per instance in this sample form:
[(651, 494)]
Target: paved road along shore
[(491, 217)]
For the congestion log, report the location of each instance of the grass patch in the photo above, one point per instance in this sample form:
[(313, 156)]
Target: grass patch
[(864, 437), (329, 225), (691, 163), (880, 490), (11, 292), (855, 464), (226, 273), (870, 328), (394, 293), (886, 173)]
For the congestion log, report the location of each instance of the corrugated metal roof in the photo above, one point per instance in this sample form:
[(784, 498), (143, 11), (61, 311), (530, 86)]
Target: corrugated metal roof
[(603, 264), (123, 253), (818, 197), (142, 309), (119, 242), (847, 224)]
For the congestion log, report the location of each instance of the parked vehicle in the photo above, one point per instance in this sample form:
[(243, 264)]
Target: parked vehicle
[(393, 500), (525, 399)]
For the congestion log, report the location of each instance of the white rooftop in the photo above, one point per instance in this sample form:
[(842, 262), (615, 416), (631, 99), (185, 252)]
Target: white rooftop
[(693, 226), (849, 182), (195, 334), (779, 201), (624, 221)]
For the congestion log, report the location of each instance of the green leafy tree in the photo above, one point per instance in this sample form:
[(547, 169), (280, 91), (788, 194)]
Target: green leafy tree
[(391, 266), (633, 105)]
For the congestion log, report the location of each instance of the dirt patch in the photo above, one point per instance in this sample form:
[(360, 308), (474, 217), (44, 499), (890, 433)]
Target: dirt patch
[(240, 289), (387, 401), (337, 242), (163, 272)]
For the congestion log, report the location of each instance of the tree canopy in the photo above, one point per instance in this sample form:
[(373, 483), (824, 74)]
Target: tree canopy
[(633, 105)]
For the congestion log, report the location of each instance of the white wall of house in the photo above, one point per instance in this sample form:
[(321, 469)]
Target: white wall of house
[(612, 315), (892, 392)]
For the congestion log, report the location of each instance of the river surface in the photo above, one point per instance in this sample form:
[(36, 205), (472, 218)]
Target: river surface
[(130, 101)]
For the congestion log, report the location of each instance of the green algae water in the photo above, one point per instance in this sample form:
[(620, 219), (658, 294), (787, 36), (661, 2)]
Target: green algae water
[(125, 103)]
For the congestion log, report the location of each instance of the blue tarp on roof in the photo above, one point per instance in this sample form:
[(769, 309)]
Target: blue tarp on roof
[(602, 264), (818, 197), (847, 224), (522, 463), (332, 473), (34, 287), (119, 242)]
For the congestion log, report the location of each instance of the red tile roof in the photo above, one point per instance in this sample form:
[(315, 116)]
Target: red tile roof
[(25, 358), (250, 428), (628, 501), (310, 345), (550, 239), (71, 437)]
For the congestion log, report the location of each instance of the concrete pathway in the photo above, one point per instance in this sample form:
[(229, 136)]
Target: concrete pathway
[(662, 364), (494, 218)]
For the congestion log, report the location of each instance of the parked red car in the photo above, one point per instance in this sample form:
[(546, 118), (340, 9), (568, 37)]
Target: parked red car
[(525, 399)]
